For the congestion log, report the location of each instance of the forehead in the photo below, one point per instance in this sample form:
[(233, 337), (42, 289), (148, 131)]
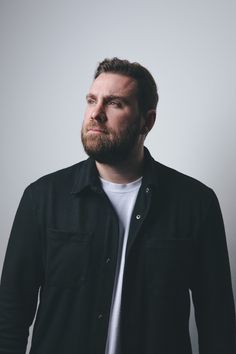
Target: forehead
[(114, 84)]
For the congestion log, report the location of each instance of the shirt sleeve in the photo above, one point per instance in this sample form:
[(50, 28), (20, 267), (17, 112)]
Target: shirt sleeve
[(21, 279), (212, 289)]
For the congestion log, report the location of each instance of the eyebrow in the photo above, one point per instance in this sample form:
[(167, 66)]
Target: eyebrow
[(110, 97), (90, 95), (118, 98)]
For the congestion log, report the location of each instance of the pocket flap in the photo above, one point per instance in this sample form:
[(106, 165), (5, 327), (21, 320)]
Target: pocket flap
[(63, 235)]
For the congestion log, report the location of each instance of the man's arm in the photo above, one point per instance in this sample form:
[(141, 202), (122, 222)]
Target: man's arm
[(212, 289), (21, 279)]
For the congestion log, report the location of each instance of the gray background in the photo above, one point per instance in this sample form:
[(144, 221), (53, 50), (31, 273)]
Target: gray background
[(49, 51)]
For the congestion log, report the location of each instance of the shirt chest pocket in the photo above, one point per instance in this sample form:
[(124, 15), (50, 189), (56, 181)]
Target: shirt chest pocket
[(169, 263), (68, 256)]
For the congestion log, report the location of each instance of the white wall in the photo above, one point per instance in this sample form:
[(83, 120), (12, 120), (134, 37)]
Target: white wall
[(49, 51)]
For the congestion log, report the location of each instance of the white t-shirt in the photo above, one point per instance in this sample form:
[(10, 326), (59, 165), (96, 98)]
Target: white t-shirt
[(123, 198)]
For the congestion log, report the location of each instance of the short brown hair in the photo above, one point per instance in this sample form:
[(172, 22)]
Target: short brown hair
[(147, 88)]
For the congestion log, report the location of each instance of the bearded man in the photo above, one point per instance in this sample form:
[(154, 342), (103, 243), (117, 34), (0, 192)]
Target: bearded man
[(115, 245)]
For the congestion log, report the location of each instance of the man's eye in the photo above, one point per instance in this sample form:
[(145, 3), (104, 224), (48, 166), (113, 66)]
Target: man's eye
[(90, 101), (115, 104)]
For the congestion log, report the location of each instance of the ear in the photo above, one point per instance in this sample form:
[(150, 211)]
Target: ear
[(149, 120)]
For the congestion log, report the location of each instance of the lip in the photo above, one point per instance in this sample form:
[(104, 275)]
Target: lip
[(96, 131)]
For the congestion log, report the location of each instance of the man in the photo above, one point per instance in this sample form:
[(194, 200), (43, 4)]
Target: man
[(114, 245)]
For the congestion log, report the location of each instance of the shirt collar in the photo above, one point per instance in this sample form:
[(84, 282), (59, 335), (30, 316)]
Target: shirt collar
[(86, 176), (150, 171)]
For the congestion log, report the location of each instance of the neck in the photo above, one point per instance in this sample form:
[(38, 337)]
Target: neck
[(123, 172)]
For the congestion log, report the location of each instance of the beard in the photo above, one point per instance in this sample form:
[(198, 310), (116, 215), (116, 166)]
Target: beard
[(110, 147)]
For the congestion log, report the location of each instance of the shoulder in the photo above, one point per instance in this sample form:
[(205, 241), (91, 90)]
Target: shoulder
[(62, 179), (171, 180), (176, 177), (181, 186)]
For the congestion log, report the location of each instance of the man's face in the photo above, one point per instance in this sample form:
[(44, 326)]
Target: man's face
[(112, 121)]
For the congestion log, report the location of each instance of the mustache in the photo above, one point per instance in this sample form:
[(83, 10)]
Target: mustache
[(96, 126)]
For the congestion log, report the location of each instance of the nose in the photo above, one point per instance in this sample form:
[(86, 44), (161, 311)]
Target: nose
[(99, 114)]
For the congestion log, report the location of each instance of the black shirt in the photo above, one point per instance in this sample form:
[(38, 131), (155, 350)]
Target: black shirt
[(63, 248)]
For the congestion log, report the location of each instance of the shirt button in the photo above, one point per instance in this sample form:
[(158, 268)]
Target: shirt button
[(138, 216), (108, 260), (147, 190), (100, 316)]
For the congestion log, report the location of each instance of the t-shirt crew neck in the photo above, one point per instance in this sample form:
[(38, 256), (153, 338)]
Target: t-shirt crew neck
[(120, 187)]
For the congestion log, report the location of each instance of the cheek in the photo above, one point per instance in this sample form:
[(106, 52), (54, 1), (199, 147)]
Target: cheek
[(85, 121), (123, 123), (87, 115)]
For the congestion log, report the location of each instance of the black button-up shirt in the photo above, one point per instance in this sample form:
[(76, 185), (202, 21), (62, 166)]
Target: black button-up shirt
[(63, 248)]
